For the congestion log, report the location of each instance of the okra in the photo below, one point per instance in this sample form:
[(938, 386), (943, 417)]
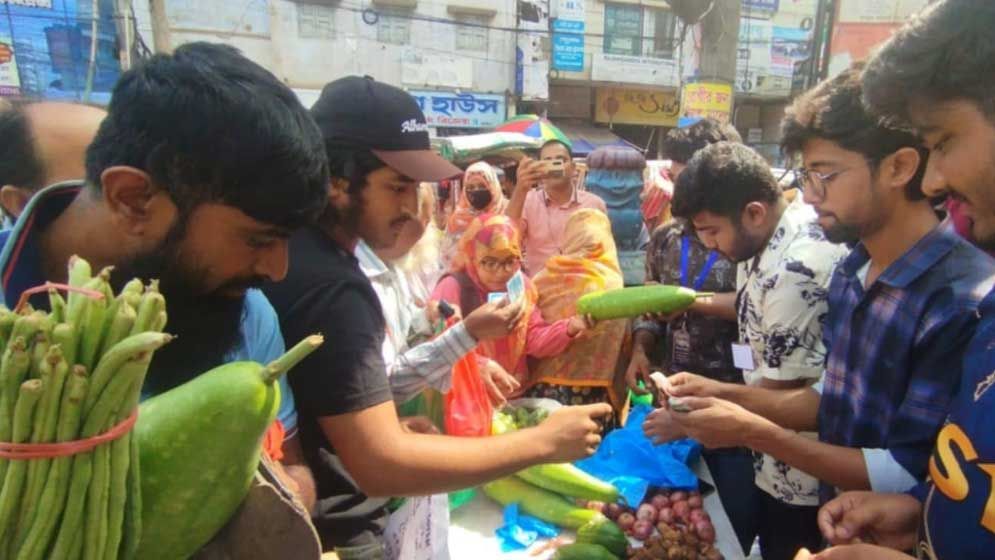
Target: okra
[(10, 497), (79, 274), (92, 327), (119, 326), (54, 376), (94, 421), (58, 305), (128, 349), (53, 499), (152, 304), (39, 350), (7, 319), (64, 335), (133, 508)]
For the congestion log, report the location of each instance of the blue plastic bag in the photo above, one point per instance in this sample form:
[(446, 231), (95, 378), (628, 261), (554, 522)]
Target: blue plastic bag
[(520, 531), (630, 461)]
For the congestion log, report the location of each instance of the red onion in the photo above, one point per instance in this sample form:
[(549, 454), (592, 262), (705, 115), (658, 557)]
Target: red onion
[(695, 502), (681, 509), (660, 501), (646, 512), (678, 496), (666, 515), (699, 515), (705, 531), (642, 530), (612, 511), (626, 521)]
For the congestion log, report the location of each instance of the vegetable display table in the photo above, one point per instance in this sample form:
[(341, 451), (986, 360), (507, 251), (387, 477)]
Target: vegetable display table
[(471, 531)]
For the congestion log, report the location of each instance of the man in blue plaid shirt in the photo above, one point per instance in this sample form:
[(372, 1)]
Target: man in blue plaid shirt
[(902, 308)]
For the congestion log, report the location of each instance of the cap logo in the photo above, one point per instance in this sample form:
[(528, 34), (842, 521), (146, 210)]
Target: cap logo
[(412, 125)]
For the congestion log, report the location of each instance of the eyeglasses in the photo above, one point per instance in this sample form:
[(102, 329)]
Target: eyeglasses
[(494, 265), (815, 182)]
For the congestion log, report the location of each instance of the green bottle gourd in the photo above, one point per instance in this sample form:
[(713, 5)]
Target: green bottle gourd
[(633, 302), (199, 447)]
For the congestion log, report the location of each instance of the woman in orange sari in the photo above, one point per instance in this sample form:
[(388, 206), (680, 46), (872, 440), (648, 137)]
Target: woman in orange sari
[(489, 255), (590, 370), (480, 194)]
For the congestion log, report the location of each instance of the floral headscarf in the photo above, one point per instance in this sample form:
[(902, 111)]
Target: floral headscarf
[(589, 263), (464, 212), (495, 235)]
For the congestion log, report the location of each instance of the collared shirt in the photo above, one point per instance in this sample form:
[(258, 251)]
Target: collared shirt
[(781, 306), (544, 222), (709, 338), (430, 364), (260, 339), (958, 509), (894, 352)]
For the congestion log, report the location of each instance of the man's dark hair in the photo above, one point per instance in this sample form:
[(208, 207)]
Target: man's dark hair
[(681, 144), (569, 150), (20, 165), (945, 52), (834, 111), (723, 178), (209, 125)]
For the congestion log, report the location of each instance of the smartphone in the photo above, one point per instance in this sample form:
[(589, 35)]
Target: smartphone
[(553, 167)]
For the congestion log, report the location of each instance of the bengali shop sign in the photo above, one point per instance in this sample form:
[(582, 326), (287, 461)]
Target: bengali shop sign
[(707, 100), (461, 110)]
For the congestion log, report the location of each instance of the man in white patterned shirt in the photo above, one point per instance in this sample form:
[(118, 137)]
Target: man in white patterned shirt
[(732, 198)]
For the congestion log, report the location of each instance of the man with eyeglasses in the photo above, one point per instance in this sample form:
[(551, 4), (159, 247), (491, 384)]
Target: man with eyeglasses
[(902, 308)]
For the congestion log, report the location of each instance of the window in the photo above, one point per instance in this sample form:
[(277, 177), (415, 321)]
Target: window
[(315, 22), (639, 31), (660, 25), (394, 27), (623, 29), (472, 34)]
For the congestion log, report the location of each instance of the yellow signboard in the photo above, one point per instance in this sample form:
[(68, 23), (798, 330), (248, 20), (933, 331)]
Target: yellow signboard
[(704, 99), (637, 106)]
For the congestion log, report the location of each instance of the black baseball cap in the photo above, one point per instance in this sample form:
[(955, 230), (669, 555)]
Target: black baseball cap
[(383, 119)]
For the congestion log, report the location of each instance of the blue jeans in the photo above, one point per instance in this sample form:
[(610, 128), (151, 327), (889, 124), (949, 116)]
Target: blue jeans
[(732, 471)]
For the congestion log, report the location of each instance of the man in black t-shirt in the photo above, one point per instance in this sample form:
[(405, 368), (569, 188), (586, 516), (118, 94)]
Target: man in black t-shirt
[(378, 146)]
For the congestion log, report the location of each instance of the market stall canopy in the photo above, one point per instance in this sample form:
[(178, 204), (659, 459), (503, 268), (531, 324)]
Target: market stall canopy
[(474, 147), (586, 138)]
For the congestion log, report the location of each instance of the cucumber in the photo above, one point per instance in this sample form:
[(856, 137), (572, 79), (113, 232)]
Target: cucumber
[(583, 551), (633, 302), (606, 534), (566, 479), (199, 447), (535, 501)]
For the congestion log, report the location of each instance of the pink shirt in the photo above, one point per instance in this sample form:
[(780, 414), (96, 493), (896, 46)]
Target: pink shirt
[(544, 340), (544, 222)]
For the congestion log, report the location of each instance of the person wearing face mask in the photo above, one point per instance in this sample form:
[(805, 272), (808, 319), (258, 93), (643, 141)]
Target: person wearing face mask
[(480, 194)]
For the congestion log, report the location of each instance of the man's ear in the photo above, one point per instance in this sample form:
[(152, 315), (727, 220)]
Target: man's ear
[(338, 192), (137, 207), (14, 200), (900, 167), (754, 214)]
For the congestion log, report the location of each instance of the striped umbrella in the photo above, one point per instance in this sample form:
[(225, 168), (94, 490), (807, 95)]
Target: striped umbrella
[(536, 127)]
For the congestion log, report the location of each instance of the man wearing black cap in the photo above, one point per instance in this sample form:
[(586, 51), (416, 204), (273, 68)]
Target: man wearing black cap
[(378, 147)]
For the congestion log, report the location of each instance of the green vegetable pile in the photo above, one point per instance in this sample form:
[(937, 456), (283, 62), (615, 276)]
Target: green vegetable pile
[(67, 375), (550, 492)]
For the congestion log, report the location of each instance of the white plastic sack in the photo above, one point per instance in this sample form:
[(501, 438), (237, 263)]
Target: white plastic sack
[(419, 530)]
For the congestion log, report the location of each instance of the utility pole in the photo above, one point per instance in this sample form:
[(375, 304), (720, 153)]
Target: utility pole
[(720, 41), (162, 43)]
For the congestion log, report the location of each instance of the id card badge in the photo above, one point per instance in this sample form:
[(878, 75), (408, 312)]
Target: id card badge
[(742, 357), (495, 296), (681, 351)]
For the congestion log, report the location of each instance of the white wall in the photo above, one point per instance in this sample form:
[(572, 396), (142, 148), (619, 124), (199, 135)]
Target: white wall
[(429, 61)]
